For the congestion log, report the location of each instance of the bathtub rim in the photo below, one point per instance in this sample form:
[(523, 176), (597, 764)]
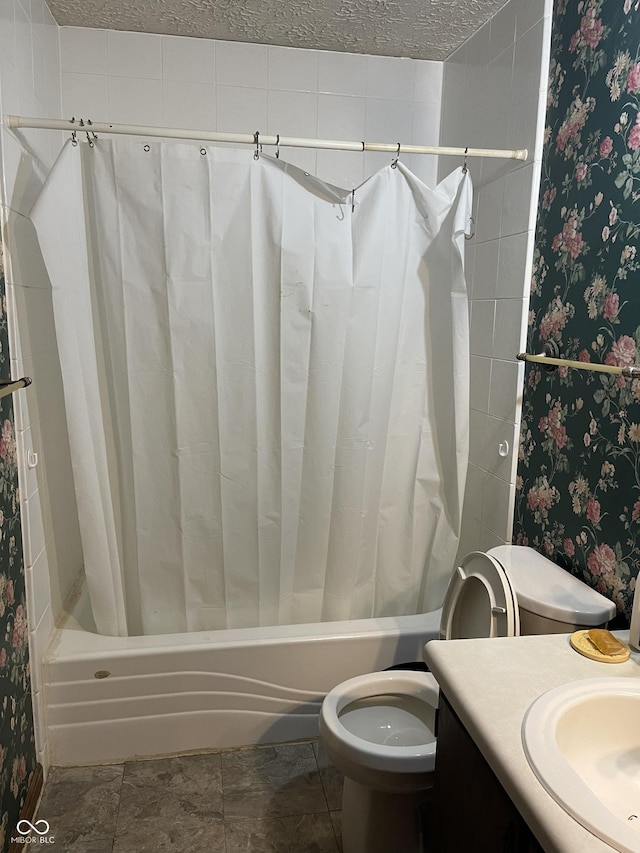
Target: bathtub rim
[(71, 640)]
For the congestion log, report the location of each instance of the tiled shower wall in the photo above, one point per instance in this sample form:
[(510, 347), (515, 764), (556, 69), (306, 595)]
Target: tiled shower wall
[(139, 78), (494, 96)]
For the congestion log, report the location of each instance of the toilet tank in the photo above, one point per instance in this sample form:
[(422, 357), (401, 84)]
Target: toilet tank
[(550, 599)]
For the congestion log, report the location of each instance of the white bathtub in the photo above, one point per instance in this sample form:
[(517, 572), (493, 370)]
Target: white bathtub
[(175, 693)]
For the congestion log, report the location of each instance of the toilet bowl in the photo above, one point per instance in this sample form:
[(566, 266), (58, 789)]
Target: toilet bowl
[(379, 728)]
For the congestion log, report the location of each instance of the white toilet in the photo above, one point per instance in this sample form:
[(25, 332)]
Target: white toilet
[(378, 728)]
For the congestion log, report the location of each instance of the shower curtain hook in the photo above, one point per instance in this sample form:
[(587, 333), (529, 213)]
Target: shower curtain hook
[(256, 139), (89, 140), (353, 200), (277, 146), (464, 166), (394, 165)]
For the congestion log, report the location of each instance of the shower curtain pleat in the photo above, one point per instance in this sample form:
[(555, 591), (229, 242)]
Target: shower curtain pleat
[(267, 391)]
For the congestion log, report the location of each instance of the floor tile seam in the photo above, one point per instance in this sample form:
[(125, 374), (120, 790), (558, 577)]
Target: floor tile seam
[(255, 818), (117, 815)]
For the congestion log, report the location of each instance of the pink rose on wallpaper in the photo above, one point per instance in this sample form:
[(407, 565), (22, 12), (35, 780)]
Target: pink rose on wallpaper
[(623, 352), (611, 306), (571, 239), (591, 29), (633, 78), (581, 171), (635, 515), (569, 547), (613, 215), (602, 560), (633, 140), (606, 146), (593, 510), (6, 440), (584, 355), (3, 657)]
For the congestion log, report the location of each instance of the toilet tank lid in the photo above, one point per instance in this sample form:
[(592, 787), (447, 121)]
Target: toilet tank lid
[(546, 589)]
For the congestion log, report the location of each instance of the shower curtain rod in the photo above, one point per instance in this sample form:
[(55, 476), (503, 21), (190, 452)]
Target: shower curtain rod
[(631, 372), (82, 126), (8, 387)]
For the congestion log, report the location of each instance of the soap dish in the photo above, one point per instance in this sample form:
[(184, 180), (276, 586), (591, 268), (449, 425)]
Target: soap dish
[(581, 643)]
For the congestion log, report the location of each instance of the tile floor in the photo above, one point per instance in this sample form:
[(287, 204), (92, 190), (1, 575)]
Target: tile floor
[(283, 798)]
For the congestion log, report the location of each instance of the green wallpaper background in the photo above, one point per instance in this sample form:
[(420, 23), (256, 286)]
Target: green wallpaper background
[(578, 486), (17, 743)]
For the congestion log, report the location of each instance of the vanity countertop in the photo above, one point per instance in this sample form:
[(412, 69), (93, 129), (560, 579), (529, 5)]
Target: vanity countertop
[(491, 683)]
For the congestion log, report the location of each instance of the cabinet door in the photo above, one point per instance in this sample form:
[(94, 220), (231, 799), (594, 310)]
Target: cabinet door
[(471, 810)]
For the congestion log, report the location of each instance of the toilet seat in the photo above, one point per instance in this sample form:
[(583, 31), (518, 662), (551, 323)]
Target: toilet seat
[(480, 601), (363, 752)]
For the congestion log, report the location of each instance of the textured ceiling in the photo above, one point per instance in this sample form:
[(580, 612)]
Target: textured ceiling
[(422, 29)]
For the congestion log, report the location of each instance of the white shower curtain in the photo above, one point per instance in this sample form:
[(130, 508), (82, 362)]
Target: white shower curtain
[(266, 390)]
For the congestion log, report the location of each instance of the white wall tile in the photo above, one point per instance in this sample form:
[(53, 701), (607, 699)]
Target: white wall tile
[(425, 129), (489, 539), (503, 29), (497, 507), (135, 100), (33, 529), (342, 73), (7, 34), (478, 51), (490, 206), (41, 637), (241, 109), (292, 69), (482, 320), (528, 73), (239, 64), (85, 95), (478, 438), (24, 47), (480, 382), (528, 13), (189, 59), (390, 78), (38, 589), (83, 51), (292, 113), (501, 448), (388, 121), (485, 272), (524, 124), (341, 117), (428, 81), (510, 328), (513, 264), (134, 55), (519, 203), (28, 441), (470, 537), (506, 389), (189, 105)]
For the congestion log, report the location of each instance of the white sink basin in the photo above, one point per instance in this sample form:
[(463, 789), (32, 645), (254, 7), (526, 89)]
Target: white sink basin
[(582, 741)]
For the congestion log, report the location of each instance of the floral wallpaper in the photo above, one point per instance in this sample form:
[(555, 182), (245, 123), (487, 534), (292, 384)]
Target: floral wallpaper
[(578, 486), (17, 745)]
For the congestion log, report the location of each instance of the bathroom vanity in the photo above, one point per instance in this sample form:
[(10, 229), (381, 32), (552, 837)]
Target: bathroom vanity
[(487, 795)]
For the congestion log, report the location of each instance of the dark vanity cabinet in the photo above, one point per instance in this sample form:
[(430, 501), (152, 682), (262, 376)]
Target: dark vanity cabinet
[(471, 812)]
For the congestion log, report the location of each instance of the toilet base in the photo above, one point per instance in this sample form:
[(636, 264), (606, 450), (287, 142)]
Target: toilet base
[(381, 822)]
